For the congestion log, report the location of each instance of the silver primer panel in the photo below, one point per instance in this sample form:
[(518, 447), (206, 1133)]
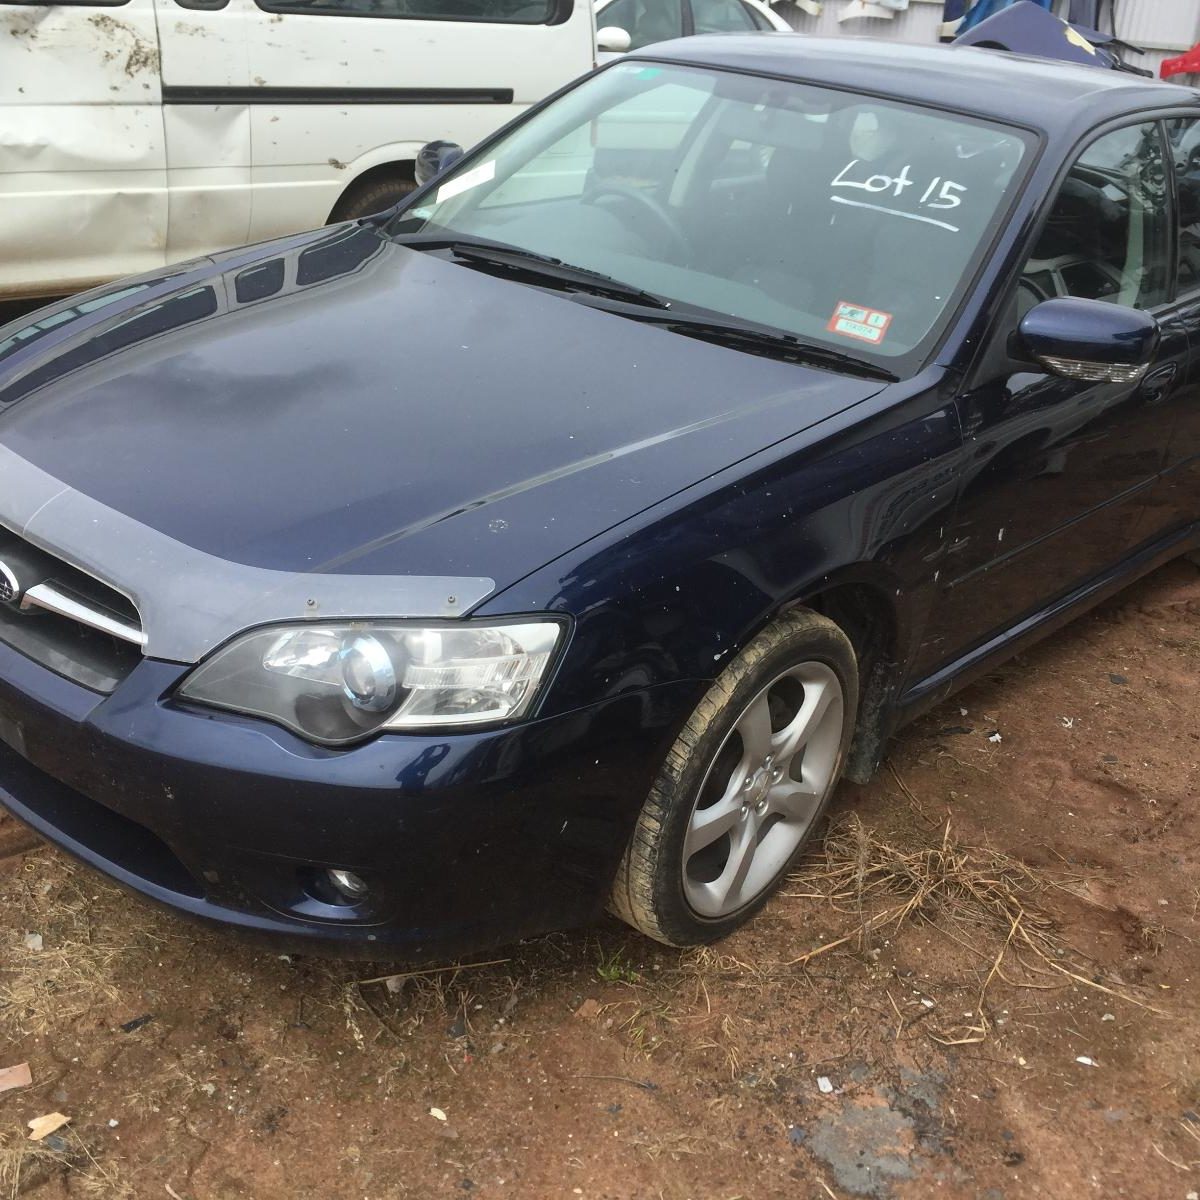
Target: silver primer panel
[(190, 602)]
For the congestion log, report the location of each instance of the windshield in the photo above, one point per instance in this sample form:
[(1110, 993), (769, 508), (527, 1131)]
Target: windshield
[(847, 221)]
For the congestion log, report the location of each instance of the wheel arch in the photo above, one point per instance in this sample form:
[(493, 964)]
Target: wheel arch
[(866, 611), (873, 608), (402, 167)]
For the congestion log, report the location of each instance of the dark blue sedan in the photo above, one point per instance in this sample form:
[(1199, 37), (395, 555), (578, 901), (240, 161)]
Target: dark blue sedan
[(559, 539)]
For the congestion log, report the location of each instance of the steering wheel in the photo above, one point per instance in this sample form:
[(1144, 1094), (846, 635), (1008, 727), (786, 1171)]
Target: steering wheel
[(661, 215)]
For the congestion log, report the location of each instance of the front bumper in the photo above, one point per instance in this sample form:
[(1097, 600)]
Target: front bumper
[(465, 841)]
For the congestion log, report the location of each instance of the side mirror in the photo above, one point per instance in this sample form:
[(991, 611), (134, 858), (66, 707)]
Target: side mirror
[(433, 158), (614, 39), (1090, 340)]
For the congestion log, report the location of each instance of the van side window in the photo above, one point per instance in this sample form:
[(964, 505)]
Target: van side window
[(1107, 236), (500, 12), (1184, 137)]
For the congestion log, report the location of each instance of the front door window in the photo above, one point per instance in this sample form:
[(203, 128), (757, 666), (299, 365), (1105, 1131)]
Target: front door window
[(1107, 235), (1183, 137)]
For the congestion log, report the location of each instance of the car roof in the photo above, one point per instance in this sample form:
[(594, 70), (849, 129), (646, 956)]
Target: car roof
[(1037, 92)]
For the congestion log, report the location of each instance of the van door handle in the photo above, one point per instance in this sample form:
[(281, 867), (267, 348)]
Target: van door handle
[(1156, 386)]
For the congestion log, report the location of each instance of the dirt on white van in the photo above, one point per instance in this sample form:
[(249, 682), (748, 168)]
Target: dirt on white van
[(141, 132)]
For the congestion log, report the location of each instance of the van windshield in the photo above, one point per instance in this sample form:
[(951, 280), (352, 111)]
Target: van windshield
[(842, 219)]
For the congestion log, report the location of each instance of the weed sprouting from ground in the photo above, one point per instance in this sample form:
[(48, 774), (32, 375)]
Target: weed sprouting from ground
[(613, 967)]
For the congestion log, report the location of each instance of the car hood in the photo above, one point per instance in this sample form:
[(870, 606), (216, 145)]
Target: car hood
[(338, 403)]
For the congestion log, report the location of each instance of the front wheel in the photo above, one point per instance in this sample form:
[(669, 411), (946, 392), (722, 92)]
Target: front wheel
[(744, 786), (370, 198)]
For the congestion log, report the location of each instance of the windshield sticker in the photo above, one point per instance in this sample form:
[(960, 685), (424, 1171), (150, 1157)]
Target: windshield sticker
[(938, 193), (855, 321), (484, 173)]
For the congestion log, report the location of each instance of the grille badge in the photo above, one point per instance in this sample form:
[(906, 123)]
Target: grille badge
[(10, 587)]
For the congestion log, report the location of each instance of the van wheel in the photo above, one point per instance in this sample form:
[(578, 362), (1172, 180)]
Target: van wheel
[(371, 198), (744, 787)]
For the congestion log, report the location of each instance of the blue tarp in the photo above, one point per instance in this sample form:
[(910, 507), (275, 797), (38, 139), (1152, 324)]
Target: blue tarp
[(983, 9), (1026, 27)]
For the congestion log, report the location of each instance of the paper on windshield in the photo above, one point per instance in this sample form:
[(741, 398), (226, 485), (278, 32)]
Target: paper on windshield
[(484, 173)]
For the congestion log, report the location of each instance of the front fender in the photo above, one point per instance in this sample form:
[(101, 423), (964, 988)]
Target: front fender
[(864, 498)]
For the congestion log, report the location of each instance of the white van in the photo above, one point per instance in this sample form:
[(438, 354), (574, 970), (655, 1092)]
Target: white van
[(135, 133)]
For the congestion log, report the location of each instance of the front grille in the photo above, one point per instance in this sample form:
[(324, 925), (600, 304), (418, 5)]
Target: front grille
[(64, 619)]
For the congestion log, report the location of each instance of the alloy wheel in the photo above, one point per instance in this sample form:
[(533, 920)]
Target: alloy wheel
[(763, 790)]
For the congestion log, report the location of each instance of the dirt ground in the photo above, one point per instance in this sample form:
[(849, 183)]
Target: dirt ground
[(1019, 1020)]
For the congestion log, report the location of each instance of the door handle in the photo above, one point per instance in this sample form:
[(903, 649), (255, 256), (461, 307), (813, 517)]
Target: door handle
[(1156, 385)]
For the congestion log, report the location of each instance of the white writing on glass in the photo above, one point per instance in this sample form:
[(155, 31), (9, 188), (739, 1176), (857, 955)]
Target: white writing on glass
[(941, 192)]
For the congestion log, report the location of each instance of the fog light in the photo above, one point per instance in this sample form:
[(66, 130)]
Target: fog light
[(347, 884)]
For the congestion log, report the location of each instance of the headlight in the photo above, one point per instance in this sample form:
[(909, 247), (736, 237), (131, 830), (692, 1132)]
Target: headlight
[(339, 683)]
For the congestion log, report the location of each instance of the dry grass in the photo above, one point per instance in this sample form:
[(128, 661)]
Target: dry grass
[(177, 1079), (725, 1039), (26, 1165), (675, 1145), (94, 1178), (983, 900), (78, 967), (472, 1000)]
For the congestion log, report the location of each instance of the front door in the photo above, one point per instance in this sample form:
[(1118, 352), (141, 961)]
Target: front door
[(1058, 472), (1177, 502)]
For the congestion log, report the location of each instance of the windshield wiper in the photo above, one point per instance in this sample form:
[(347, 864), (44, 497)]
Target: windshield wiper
[(775, 345), (754, 339), (515, 261), (627, 300)]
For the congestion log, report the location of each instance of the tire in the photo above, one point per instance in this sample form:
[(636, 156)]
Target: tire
[(371, 198), (711, 779)]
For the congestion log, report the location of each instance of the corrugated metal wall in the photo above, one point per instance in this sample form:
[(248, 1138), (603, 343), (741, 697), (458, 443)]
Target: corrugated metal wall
[(1162, 27), (1159, 24), (918, 24)]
